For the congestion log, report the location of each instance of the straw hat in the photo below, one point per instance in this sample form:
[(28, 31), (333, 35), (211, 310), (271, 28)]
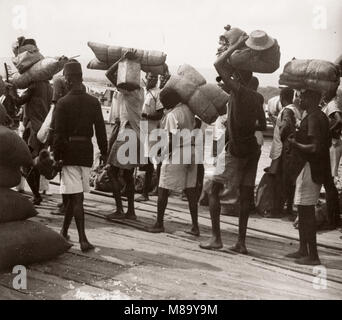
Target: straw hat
[(259, 40)]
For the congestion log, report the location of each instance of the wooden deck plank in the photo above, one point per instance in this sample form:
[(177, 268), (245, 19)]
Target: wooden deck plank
[(131, 263)]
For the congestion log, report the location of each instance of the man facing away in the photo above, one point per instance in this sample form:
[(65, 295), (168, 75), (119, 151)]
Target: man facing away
[(75, 116), (312, 168), (177, 176), (152, 113), (240, 161)]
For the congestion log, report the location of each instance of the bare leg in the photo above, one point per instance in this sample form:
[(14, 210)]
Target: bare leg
[(215, 209), (240, 246), (128, 175), (68, 203), (303, 245), (163, 195), (113, 176), (79, 218), (310, 235), (192, 197)]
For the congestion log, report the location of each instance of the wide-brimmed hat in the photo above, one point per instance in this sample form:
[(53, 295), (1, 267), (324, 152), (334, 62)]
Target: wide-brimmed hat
[(259, 40), (71, 68)]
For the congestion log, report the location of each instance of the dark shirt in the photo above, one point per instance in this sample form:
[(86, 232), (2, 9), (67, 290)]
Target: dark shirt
[(315, 127), (37, 99), (75, 116), (244, 110)]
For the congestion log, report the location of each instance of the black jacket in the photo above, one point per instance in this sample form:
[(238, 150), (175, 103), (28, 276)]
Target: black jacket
[(75, 115)]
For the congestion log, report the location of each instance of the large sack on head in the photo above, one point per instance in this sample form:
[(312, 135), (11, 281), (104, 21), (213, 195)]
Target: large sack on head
[(266, 61), (96, 64), (27, 242), (14, 206), (13, 150), (183, 86), (202, 107), (191, 74), (319, 75), (42, 70), (27, 57), (111, 54), (160, 69), (9, 176)]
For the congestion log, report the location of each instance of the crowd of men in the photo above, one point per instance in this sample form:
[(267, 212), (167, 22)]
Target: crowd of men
[(302, 146)]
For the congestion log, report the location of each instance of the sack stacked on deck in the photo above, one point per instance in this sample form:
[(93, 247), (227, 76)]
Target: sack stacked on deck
[(207, 101), (106, 56), (317, 75), (255, 59), (21, 242), (42, 70), (26, 242), (14, 154)]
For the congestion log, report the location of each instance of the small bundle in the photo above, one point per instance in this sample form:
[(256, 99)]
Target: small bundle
[(150, 60), (44, 69), (207, 101), (317, 75)]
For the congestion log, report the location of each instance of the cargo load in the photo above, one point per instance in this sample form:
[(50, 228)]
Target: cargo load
[(44, 69), (14, 206), (111, 54), (96, 64), (9, 176), (28, 55), (207, 101), (129, 75), (27, 242), (261, 54), (313, 74), (13, 150)]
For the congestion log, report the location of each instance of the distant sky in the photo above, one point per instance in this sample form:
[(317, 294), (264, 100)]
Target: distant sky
[(187, 30)]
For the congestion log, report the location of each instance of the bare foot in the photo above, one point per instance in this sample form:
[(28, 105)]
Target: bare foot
[(239, 248), (116, 215), (86, 246), (193, 231), (156, 229), (212, 244), (65, 236), (130, 216)]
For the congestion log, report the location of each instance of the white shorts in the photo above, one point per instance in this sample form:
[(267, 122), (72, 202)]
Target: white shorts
[(75, 179), (307, 191)]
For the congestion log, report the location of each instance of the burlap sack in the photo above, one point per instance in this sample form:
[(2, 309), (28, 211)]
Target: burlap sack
[(14, 206), (27, 242)]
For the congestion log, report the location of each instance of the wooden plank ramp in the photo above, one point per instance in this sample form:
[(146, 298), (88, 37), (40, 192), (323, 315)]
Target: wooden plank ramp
[(130, 263)]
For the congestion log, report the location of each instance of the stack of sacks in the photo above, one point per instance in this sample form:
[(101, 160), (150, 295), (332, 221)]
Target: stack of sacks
[(260, 53), (317, 75), (207, 101), (21, 242), (106, 56)]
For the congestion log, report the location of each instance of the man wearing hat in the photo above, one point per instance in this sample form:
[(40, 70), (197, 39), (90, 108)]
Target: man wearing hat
[(37, 101), (75, 116)]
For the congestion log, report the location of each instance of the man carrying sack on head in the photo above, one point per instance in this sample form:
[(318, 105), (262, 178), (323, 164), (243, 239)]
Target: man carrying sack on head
[(75, 115)]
